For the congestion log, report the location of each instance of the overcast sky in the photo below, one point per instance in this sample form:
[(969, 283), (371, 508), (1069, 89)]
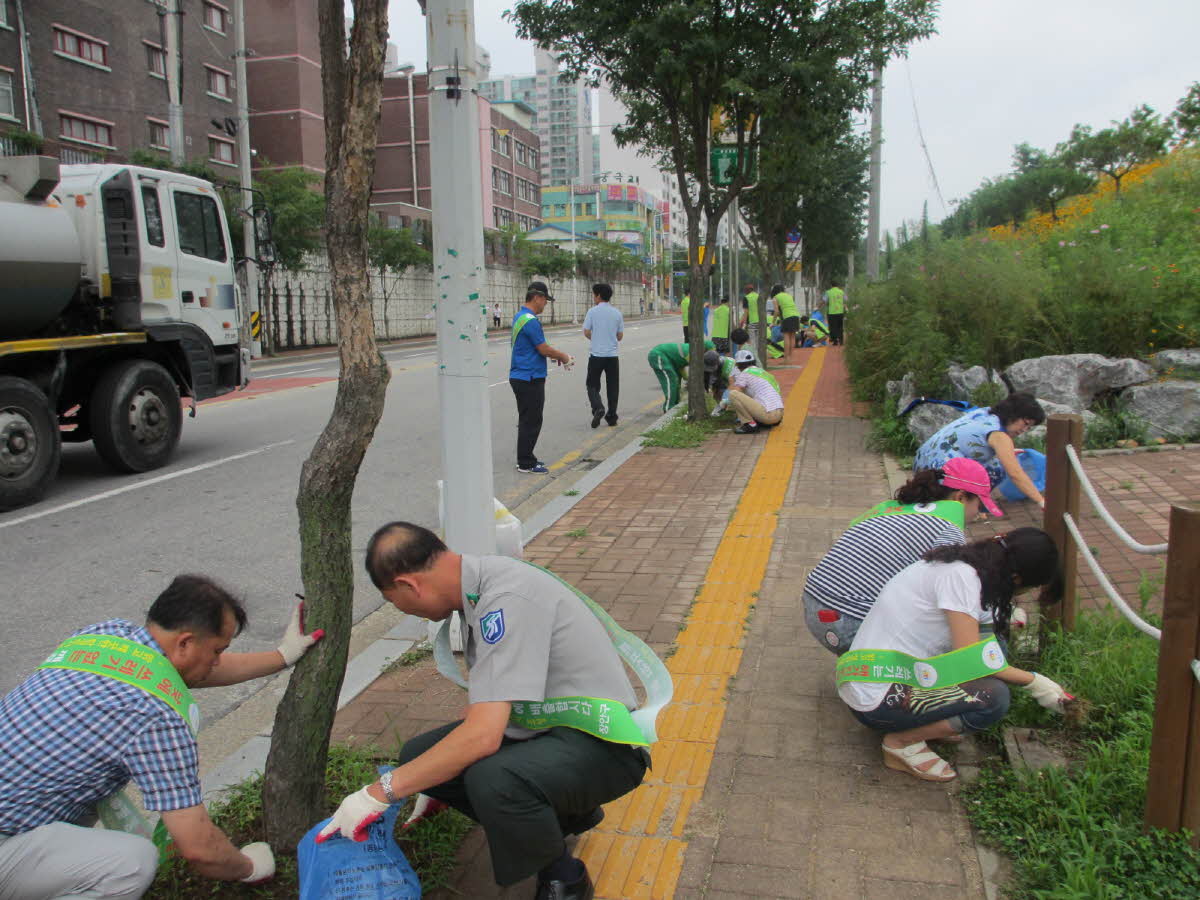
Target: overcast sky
[(996, 74)]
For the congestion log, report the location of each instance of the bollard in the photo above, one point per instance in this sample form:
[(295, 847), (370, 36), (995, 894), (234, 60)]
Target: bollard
[(1062, 496), (1173, 780)]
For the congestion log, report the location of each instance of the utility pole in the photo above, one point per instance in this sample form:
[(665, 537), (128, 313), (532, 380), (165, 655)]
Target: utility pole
[(875, 172), (246, 197), (459, 277), (172, 20)]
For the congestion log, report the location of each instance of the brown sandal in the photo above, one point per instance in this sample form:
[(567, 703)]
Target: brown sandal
[(907, 759)]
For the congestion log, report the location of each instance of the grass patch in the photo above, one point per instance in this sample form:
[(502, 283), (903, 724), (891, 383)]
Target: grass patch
[(418, 652), (577, 533), (571, 493), (430, 845), (680, 433), (1077, 833)]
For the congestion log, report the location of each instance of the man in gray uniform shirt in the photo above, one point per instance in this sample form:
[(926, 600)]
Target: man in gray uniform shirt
[(528, 638)]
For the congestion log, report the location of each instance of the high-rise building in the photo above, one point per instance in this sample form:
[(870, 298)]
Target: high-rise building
[(563, 118)]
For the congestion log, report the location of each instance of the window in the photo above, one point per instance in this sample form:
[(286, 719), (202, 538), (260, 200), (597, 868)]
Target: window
[(4, 13), (219, 83), (495, 140), (80, 46), (199, 226), (156, 60), (6, 92), (501, 217), (560, 209), (89, 131), (153, 212), (214, 17), (533, 158), (522, 154), (506, 146), (221, 151), (159, 136)]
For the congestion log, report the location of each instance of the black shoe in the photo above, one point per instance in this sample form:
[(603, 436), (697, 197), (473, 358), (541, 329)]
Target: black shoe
[(747, 428), (612, 422), (585, 822), (581, 889), (596, 417)]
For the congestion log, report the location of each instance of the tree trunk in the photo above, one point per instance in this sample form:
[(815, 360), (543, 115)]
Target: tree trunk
[(294, 786)]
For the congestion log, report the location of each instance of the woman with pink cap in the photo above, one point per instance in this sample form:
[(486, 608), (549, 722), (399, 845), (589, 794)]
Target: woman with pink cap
[(931, 510)]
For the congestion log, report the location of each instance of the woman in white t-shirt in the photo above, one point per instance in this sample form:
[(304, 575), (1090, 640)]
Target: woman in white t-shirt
[(931, 608)]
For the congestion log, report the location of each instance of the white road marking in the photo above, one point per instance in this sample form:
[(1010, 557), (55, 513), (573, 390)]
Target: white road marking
[(289, 374), (141, 484)]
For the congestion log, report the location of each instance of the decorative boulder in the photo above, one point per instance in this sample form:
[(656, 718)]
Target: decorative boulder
[(905, 390), (1077, 379), (1170, 409), (964, 382), (1177, 362), (927, 418)]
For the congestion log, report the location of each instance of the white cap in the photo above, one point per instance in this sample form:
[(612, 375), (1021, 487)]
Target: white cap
[(743, 356)]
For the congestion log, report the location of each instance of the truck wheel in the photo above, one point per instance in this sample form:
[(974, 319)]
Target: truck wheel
[(135, 416), (29, 443)]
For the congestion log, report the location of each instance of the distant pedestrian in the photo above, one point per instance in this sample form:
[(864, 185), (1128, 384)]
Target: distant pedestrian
[(496, 316), (789, 320), (754, 395), (684, 305), (720, 325), (750, 312), (642, 306), (669, 363), (604, 326), (527, 374), (835, 308)]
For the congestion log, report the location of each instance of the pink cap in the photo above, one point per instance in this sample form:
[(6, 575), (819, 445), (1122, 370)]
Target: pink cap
[(970, 476)]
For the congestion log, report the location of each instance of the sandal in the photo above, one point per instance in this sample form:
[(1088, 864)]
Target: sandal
[(906, 759)]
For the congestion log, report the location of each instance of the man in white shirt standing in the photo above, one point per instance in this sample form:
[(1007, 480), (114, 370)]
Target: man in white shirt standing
[(604, 326), (754, 395)]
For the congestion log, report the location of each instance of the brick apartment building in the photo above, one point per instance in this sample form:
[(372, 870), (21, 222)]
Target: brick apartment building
[(99, 88)]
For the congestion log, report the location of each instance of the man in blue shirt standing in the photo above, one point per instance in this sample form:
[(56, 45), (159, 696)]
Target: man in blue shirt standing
[(604, 326), (527, 374)]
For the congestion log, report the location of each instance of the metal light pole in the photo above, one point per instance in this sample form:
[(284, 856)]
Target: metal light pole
[(574, 257), (245, 197), (876, 173), (459, 280)]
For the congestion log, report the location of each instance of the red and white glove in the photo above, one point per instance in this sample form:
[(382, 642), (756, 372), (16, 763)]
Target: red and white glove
[(1019, 618), (424, 807), (354, 816), (264, 862), (295, 642), (1047, 693)]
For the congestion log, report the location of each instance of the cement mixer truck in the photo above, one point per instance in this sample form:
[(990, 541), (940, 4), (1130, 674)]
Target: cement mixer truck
[(118, 303)]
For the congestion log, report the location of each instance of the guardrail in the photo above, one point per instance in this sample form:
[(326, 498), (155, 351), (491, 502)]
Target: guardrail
[(1173, 779)]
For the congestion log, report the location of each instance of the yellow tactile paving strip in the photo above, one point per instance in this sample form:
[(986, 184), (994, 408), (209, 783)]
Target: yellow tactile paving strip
[(637, 851)]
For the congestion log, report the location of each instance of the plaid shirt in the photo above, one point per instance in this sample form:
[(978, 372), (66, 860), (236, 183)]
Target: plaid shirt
[(69, 739)]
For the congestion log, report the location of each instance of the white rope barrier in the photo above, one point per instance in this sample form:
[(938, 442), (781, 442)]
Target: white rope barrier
[(1118, 601), (1196, 668), (1104, 513)]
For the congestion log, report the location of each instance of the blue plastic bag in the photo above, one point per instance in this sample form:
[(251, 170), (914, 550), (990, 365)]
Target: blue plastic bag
[(348, 870), (1034, 464)]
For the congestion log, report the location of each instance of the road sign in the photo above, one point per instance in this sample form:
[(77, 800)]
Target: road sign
[(793, 236), (723, 128), (793, 265), (723, 164)]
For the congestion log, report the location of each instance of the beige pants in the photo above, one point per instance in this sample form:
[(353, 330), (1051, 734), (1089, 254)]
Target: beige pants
[(750, 410)]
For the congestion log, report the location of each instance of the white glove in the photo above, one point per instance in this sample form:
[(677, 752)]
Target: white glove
[(354, 816), (264, 862), (1019, 618), (569, 363), (295, 642), (1047, 693)]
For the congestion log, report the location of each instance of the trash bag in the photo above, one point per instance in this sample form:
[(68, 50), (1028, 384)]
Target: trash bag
[(1034, 464), (343, 869)]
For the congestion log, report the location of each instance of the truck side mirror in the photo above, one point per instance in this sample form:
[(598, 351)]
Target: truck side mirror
[(262, 225), (266, 253)]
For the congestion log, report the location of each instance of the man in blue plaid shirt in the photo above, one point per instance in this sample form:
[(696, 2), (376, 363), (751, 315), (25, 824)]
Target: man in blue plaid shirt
[(70, 739)]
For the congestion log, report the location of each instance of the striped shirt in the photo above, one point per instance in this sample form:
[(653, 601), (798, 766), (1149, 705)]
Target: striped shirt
[(864, 559), (69, 739), (760, 389)]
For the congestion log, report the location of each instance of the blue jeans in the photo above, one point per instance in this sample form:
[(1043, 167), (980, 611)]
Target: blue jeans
[(971, 706)]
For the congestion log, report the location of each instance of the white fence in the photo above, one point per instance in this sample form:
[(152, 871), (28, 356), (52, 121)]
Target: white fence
[(299, 309)]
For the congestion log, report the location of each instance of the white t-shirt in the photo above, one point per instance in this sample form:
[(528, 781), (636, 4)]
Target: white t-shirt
[(910, 616), (760, 389)]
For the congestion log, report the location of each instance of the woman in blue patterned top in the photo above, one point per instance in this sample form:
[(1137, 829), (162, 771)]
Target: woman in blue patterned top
[(986, 436)]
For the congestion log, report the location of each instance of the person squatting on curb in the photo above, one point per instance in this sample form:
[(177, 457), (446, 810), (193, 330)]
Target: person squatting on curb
[(113, 702), (527, 374), (920, 669), (604, 326), (528, 638)]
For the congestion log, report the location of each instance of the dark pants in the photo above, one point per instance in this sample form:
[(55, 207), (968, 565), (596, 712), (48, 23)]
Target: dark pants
[(527, 794), (685, 334), (608, 366), (836, 322), (531, 398), (971, 706)]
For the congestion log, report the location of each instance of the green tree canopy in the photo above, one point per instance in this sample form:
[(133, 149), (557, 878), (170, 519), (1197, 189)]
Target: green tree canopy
[(1117, 150)]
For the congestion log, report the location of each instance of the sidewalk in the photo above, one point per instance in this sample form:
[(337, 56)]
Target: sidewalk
[(763, 784)]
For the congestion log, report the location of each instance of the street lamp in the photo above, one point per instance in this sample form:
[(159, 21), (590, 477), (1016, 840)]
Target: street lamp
[(408, 69)]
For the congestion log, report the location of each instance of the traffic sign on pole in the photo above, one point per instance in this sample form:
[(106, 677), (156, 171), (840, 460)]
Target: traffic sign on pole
[(723, 164)]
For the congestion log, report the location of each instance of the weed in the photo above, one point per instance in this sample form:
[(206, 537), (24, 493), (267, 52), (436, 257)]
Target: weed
[(418, 652), (1127, 485), (571, 493), (577, 533), (680, 433)]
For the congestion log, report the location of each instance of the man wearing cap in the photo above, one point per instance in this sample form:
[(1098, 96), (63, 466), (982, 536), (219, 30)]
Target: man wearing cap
[(527, 374), (604, 326), (754, 395), (547, 737), (669, 363)]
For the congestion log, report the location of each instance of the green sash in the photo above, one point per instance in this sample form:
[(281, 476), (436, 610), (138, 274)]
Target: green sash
[(979, 660), (765, 376), (597, 716), (522, 320), (950, 510)]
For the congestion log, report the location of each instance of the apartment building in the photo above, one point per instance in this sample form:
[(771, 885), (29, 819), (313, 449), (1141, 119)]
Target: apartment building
[(90, 77)]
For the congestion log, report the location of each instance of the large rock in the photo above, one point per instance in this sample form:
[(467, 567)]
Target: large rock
[(964, 382), (1077, 379), (1037, 434), (1170, 409), (1177, 362), (927, 418)]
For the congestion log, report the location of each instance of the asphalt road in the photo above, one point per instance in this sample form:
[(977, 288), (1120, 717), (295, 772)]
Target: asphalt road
[(102, 545)]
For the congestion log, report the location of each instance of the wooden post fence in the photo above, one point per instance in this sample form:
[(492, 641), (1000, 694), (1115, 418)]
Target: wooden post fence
[(1173, 782), (1062, 496)]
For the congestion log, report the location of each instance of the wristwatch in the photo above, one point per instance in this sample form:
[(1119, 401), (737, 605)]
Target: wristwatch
[(385, 785)]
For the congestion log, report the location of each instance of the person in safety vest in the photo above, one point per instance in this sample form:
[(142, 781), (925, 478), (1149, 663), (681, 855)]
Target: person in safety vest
[(669, 363), (815, 333), (835, 306), (547, 738), (754, 395), (930, 510), (113, 702), (789, 320), (920, 668)]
